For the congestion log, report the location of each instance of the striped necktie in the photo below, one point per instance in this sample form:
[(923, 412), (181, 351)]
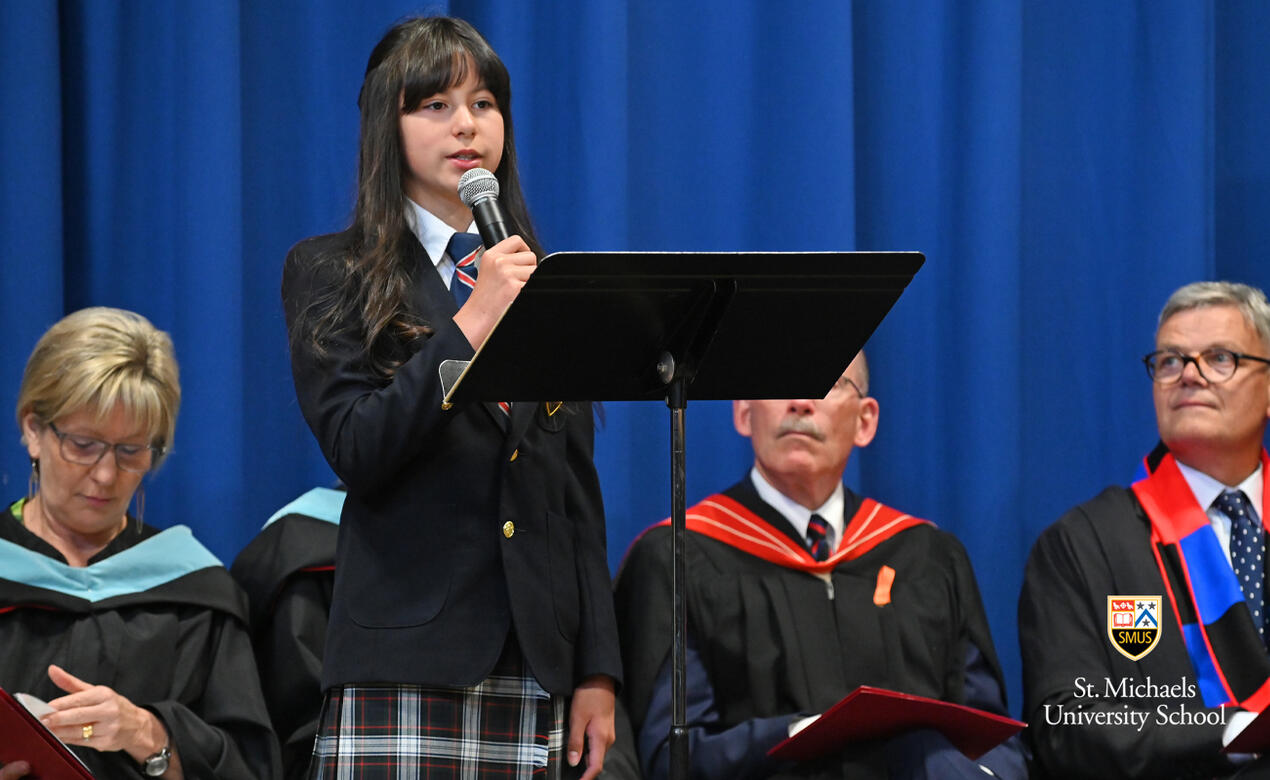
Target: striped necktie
[(464, 250), (817, 537), (1247, 547)]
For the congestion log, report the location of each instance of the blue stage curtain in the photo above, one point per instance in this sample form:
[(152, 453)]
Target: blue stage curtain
[(1064, 166)]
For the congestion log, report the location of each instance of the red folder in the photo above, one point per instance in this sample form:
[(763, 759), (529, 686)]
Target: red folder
[(24, 738), (875, 713), (1255, 737)]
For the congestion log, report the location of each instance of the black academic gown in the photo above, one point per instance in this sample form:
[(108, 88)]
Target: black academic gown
[(774, 644), (1103, 548), (167, 631), (288, 572)]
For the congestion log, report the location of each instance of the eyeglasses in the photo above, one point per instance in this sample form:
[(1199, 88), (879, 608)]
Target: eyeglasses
[(1215, 365), (843, 383), (87, 451)]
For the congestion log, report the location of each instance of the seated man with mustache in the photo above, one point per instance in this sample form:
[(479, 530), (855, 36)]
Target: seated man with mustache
[(841, 591)]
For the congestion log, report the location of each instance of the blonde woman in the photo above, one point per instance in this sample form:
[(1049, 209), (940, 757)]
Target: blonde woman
[(134, 636)]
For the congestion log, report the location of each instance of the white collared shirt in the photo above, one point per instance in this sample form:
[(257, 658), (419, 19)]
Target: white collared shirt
[(799, 515), (1206, 490), (434, 235)]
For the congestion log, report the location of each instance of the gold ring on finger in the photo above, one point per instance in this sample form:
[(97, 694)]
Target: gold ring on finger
[(88, 731)]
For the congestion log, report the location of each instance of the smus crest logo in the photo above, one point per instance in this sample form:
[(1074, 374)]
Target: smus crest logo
[(1133, 624)]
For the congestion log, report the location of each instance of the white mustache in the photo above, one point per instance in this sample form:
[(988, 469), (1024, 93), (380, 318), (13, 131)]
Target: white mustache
[(803, 425)]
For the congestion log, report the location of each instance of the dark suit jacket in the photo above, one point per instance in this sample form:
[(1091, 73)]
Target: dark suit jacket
[(459, 524)]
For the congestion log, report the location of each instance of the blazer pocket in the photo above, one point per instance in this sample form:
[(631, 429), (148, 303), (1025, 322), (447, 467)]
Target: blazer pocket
[(398, 582), (564, 574)]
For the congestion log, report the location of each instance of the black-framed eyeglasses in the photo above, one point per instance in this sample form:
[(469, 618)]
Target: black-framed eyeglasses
[(87, 451), (843, 383), (1165, 366)]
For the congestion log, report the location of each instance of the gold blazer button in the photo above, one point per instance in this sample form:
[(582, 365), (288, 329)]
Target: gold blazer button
[(509, 528), (515, 455)]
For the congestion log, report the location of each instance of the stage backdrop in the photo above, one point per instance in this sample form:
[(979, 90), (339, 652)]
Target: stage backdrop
[(1064, 166)]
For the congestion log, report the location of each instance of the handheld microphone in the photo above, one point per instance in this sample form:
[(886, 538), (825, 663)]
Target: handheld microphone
[(478, 189)]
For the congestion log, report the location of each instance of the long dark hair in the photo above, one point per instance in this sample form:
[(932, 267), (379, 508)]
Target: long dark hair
[(415, 60)]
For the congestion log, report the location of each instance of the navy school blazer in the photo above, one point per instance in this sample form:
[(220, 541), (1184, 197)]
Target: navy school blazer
[(460, 525)]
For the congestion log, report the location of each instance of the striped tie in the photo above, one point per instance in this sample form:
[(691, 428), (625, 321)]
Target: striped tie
[(817, 537), (464, 250)]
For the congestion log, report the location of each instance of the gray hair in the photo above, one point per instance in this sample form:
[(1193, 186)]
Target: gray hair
[(1250, 301)]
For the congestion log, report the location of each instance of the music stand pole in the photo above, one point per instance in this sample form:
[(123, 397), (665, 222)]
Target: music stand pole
[(594, 322), (677, 400)]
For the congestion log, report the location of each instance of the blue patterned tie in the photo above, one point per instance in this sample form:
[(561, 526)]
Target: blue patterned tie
[(464, 249), (817, 537), (1247, 546)]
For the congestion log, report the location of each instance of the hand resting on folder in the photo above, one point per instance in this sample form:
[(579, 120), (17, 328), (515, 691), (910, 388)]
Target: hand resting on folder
[(875, 713), (1247, 733), (117, 723)]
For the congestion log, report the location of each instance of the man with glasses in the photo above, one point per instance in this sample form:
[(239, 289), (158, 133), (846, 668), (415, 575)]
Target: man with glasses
[(798, 591), (1142, 618)]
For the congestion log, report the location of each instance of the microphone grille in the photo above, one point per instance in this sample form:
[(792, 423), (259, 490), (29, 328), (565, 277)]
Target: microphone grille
[(476, 184)]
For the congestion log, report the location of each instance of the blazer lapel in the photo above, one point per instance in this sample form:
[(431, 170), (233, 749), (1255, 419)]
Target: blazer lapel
[(497, 413), (432, 299), (522, 414)]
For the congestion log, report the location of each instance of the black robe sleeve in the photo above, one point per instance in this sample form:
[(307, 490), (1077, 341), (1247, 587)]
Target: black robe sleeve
[(1100, 549), (215, 722), (289, 651), (192, 667)]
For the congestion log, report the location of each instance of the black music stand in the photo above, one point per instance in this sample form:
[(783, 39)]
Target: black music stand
[(639, 326)]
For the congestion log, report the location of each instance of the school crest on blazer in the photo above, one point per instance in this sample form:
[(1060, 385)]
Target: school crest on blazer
[(552, 416), (1133, 624)]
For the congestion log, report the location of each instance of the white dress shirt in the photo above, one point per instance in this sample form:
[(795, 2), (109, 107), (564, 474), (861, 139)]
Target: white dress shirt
[(435, 237), (1206, 490), (799, 515)]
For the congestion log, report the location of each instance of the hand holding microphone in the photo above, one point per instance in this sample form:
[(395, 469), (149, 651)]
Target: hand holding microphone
[(506, 264)]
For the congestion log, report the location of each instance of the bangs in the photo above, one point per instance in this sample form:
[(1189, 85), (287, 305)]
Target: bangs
[(144, 399), (435, 64), (140, 402)]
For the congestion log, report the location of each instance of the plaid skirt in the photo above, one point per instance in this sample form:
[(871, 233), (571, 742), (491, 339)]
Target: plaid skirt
[(506, 726)]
